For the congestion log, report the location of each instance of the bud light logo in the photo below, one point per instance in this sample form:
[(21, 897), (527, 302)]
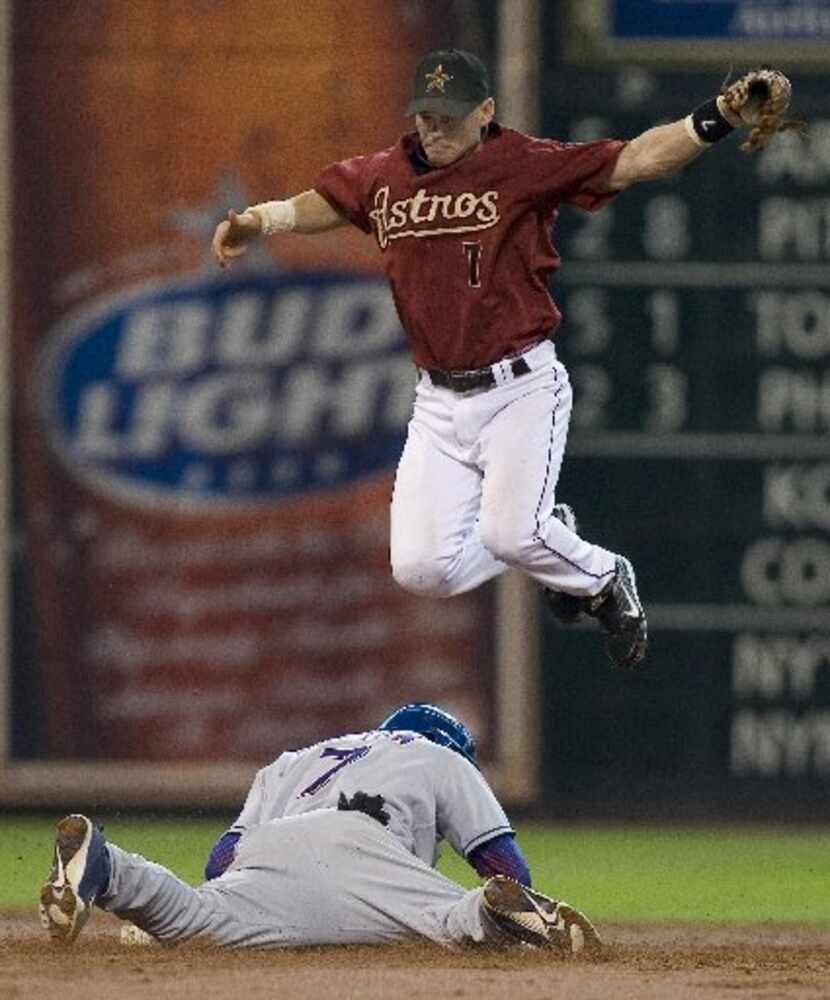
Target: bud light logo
[(230, 392)]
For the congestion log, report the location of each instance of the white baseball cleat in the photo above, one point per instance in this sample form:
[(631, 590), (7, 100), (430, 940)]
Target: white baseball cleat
[(134, 937), (80, 873), (539, 920)]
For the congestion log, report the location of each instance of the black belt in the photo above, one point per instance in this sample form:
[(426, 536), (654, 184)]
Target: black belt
[(479, 378)]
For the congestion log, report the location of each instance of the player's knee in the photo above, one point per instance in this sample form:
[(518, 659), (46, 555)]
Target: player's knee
[(506, 540), (420, 576)]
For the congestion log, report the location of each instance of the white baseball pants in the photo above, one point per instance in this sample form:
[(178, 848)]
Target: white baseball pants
[(326, 877), (476, 485)]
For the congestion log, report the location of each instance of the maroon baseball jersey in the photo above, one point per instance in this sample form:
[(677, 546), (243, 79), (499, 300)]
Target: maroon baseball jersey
[(467, 248)]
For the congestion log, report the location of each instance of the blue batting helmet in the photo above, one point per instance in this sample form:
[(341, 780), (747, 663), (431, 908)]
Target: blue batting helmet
[(436, 724)]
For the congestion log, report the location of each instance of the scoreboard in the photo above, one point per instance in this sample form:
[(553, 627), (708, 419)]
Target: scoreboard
[(697, 336)]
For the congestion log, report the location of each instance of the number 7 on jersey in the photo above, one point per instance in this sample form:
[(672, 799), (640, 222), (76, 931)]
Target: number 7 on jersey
[(472, 249), (344, 756)]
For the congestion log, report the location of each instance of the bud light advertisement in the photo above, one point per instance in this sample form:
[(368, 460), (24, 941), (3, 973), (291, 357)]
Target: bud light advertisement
[(223, 394)]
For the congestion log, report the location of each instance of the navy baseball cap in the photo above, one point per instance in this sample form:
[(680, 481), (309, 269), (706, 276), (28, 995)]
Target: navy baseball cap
[(449, 82)]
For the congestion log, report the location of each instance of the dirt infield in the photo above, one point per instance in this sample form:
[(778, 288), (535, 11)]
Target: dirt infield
[(640, 964)]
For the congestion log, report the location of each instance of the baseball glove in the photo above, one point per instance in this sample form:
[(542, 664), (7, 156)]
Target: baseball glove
[(760, 99)]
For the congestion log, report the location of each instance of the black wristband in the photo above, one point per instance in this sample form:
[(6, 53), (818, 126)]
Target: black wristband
[(708, 122)]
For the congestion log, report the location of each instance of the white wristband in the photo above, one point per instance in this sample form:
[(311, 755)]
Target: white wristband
[(690, 129), (275, 216)]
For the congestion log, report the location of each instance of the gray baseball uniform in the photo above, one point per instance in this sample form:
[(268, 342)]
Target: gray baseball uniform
[(307, 873)]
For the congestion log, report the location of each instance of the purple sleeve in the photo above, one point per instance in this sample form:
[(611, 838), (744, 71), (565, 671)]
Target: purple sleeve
[(221, 855), (500, 856)]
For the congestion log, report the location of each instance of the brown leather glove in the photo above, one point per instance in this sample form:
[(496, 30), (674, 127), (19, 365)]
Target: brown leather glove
[(760, 99)]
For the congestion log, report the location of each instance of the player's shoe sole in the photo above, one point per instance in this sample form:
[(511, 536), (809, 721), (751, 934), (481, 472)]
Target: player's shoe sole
[(80, 872), (536, 919), (565, 608)]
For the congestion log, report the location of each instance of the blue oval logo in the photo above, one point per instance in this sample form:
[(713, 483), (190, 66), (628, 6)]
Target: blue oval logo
[(230, 392)]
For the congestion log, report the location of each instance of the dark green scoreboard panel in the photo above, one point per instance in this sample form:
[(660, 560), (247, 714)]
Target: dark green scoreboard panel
[(697, 335)]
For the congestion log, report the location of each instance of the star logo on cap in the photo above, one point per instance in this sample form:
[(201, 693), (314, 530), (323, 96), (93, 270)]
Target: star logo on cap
[(437, 79)]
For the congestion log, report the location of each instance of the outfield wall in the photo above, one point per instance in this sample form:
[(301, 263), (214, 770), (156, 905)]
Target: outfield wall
[(202, 462)]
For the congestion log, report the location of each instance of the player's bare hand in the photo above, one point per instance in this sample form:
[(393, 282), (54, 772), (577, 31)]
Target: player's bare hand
[(232, 236)]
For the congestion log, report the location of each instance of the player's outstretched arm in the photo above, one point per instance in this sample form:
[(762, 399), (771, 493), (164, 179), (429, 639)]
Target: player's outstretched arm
[(306, 213), (659, 152), (759, 100)]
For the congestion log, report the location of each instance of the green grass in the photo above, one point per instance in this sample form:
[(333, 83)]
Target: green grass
[(723, 875)]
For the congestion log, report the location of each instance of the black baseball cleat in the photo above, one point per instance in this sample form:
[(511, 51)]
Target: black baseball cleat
[(536, 919), (80, 874), (618, 609), (565, 608)]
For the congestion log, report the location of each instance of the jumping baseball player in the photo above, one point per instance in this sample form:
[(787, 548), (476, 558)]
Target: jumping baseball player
[(462, 210), (335, 844)]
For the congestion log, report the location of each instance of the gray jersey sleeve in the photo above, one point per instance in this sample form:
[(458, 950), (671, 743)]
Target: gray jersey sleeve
[(251, 814), (468, 813), (260, 805)]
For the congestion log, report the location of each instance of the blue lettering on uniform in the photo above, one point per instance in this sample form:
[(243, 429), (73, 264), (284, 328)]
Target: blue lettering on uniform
[(344, 756)]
